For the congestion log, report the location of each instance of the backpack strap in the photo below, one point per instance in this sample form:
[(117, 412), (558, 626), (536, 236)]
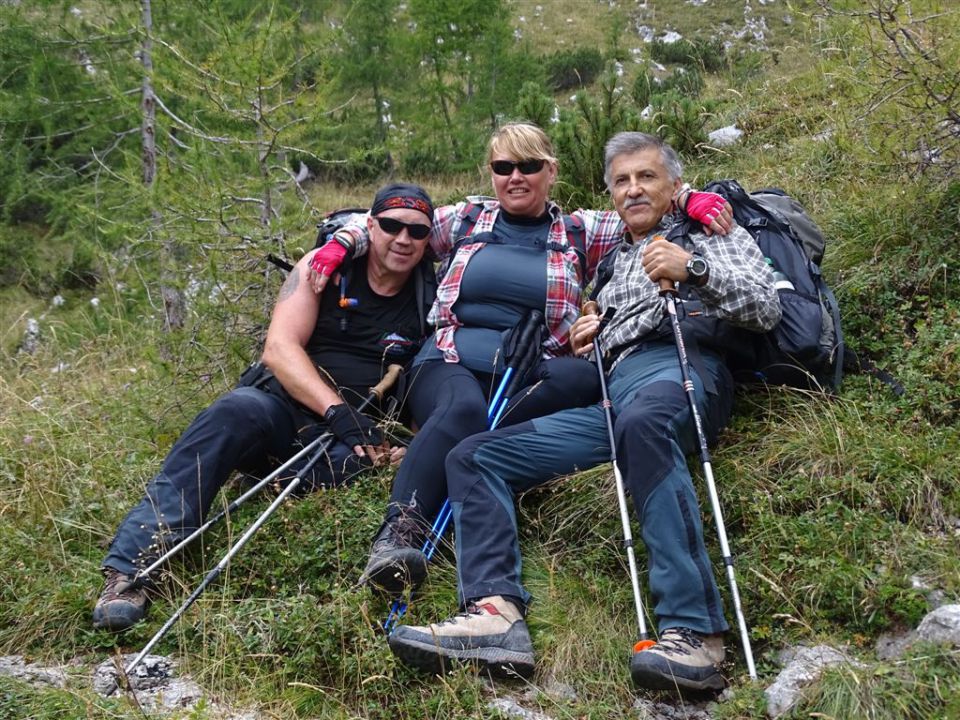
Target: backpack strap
[(577, 238), (840, 352), (469, 220), (425, 280), (855, 363)]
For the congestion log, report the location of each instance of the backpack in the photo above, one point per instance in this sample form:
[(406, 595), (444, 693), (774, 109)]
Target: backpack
[(424, 275), (806, 348)]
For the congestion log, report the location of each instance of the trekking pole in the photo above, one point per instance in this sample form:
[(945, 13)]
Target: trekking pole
[(527, 350), (376, 392), (644, 642), (143, 574), (669, 291)]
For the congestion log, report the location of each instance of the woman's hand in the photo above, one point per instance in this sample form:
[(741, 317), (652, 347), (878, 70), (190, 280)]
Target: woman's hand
[(324, 263), (710, 210)]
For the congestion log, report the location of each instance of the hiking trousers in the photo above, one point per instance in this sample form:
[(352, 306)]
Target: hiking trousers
[(654, 432), (449, 403), (247, 429)]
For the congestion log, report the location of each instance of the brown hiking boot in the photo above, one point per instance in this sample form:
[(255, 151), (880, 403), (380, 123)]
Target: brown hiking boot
[(121, 603), (490, 633), (682, 660), (396, 560)]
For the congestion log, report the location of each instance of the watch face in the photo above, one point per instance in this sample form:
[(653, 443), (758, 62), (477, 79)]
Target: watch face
[(697, 267)]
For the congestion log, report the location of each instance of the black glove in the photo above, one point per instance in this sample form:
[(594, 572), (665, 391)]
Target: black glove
[(352, 426)]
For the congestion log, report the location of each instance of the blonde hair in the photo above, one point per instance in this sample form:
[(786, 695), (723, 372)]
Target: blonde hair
[(521, 141)]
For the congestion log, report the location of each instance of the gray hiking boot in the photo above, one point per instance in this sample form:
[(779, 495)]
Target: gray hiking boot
[(396, 561), (490, 633), (121, 604), (682, 660)]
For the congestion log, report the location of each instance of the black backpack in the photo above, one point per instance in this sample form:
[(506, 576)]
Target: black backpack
[(806, 348), (424, 275)]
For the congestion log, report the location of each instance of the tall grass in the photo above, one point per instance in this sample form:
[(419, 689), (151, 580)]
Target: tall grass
[(833, 505)]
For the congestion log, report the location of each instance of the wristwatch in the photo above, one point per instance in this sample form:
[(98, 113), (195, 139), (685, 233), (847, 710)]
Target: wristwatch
[(697, 270)]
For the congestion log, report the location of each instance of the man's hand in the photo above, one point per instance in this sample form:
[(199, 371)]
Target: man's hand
[(358, 431), (710, 210), (664, 260), (584, 329), (324, 263)]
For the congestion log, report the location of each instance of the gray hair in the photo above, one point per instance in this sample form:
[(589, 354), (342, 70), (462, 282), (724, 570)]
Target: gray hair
[(626, 143)]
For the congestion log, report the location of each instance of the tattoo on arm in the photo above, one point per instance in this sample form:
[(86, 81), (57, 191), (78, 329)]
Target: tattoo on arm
[(290, 284)]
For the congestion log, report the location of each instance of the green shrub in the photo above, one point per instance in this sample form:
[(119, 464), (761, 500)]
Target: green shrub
[(568, 69), (707, 54), (685, 81), (681, 121), (580, 136), (535, 104)]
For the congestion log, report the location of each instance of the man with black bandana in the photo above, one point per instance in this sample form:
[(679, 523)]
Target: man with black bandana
[(322, 354)]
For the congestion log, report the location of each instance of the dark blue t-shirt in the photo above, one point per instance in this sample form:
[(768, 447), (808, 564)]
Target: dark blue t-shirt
[(504, 279)]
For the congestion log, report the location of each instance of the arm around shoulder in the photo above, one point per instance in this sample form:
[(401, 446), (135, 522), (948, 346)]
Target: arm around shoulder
[(291, 325)]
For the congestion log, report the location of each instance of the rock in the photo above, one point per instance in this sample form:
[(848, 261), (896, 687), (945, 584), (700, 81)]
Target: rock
[(941, 626), (31, 337), (152, 681), (891, 646), (551, 687), (511, 708), (648, 709), (16, 667), (805, 667), (725, 136)]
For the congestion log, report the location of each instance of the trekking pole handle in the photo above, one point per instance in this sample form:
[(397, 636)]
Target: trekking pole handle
[(534, 322), (667, 286), (592, 307), (388, 381)]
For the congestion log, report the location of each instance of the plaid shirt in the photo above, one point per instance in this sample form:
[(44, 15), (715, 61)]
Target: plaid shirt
[(603, 231), (740, 287)]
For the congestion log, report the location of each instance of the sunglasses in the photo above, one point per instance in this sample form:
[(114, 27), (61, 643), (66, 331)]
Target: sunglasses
[(390, 226), (526, 167)]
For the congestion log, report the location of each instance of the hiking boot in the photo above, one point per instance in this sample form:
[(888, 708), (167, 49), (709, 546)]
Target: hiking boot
[(490, 633), (681, 660), (396, 562), (121, 603)]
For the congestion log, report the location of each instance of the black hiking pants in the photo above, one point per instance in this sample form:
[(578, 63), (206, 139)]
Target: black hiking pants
[(247, 429)]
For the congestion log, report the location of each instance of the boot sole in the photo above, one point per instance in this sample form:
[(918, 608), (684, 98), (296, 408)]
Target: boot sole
[(117, 619), (653, 679), (438, 660), (393, 579)]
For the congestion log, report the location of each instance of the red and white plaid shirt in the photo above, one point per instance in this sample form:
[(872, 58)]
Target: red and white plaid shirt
[(602, 229)]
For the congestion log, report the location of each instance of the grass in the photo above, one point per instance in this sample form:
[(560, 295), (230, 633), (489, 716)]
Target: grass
[(832, 505)]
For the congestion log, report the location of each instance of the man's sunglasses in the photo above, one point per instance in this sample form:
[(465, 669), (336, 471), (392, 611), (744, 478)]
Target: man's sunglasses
[(526, 167), (418, 231)]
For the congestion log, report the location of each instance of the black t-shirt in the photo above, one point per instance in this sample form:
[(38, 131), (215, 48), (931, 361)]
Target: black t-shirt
[(354, 345)]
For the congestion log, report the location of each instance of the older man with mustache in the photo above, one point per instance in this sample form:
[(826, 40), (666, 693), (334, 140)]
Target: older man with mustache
[(654, 431)]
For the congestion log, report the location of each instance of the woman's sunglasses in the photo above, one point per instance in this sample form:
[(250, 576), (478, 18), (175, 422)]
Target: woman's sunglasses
[(390, 226), (526, 167)]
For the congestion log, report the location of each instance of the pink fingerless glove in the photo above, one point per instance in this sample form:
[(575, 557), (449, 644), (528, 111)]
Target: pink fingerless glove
[(704, 207), (328, 258)]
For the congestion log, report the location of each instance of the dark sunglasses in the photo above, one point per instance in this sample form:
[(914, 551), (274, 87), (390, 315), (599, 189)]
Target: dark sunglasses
[(390, 226), (526, 167)]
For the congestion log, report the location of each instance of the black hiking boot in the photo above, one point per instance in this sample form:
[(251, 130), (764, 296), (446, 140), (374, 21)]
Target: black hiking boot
[(490, 633), (682, 661), (396, 561), (121, 603)]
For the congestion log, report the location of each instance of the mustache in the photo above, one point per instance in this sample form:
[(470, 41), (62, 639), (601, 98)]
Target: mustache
[(631, 202)]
